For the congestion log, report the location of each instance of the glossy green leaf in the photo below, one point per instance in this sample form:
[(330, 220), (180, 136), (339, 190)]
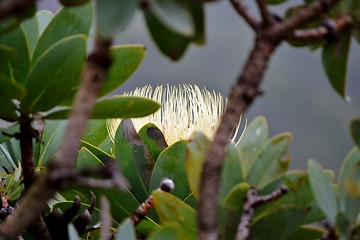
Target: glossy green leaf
[(231, 209), (95, 132), (355, 131), (43, 18), (51, 139), (113, 16), (10, 154), (171, 209), (323, 191), (232, 172), (125, 60), (66, 22), (270, 162), (87, 159), (171, 164), (126, 231), (154, 139), (169, 42), (307, 232), (146, 226), (31, 31), (253, 139), (6, 53), (334, 59), (198, 15), (134, 159), (168, 232), (175, 15), (286, 218), (55, 74), (5, 133), (96, 151), (196, 150), (10, 90), (17, 67), (114, 107)]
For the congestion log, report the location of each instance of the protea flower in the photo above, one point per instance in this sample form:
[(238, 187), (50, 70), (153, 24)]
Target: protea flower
[(184, 109)]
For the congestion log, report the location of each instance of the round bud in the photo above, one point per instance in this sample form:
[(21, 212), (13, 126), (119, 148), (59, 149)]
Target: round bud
[(167, 185)]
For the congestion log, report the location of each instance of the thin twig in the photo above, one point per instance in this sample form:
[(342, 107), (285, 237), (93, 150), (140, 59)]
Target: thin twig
[(105, 219), (34, 201), (265, 14), (303, 16), (252, 201), (319, 32), (244, 11), (8, 8)]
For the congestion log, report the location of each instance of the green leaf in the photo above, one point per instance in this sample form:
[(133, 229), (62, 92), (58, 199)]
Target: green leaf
[(168, 232), (43, 18), (67, 22), (231, 210), (73, 234), (87, 159), (196, 150), (17, 67), (55, 74), (334, 59), (270, 162), (146, 226), (154, 139), (126, 231), (5, 132), (355, 130), (286, 218), (72, 3), (96, 151), (171, 164), (273, 2), (197, 12), (10, 90), (113, 16), (231, 172), (323, 191), (307, 232), (169, 42), (175, 15), (95, 132), (343, 225), (134, 159), (114, 107), (253, 139), (171, 209)]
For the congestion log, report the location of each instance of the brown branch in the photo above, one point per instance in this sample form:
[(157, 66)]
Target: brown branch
[(265, 14), (252, 201), (303, 16), (166, 185), (31, 206), (319, 32), (244, 11), (11, 7)]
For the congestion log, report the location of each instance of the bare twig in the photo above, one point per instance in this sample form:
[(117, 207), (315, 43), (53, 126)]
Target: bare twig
[(244, 11), (303, 16), (264, 11), (11, 7), (40, 192), (166, 185), (252, 201), (105, 219), (26, 146), (319, 32)]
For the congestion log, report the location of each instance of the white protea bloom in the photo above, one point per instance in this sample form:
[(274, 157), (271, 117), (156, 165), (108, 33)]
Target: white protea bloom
[(184, 109)]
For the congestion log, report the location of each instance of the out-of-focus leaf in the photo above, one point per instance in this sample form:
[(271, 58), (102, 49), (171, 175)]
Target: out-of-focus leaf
[(175, 15), (134, 159), (355, 130), (307, 232), (67, 22), (323, 191), (31, 31), (113, 16), (97, 152), (6, 53), (55, 74), (154, 139), (270, 162), (169, 42), (253, 139), (126, 231), (10, 90), (196, 150), (51, 139), (146, 226), (87, 159), (171, 164), (276, 1), (114, 107), (286, 218), (43, 18), (197, 12), (73, 234), (72, 3), (18, 65), (5, 133), (168, 232), (343, 225), (231, 209), (171, 209), (334, 59), (231, 172)]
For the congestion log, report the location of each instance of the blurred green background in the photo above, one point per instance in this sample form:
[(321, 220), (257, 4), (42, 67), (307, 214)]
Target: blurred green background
[(298, 97)]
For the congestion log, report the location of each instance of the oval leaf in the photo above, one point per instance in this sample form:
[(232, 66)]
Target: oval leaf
[(126, 231), (154, 139)]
